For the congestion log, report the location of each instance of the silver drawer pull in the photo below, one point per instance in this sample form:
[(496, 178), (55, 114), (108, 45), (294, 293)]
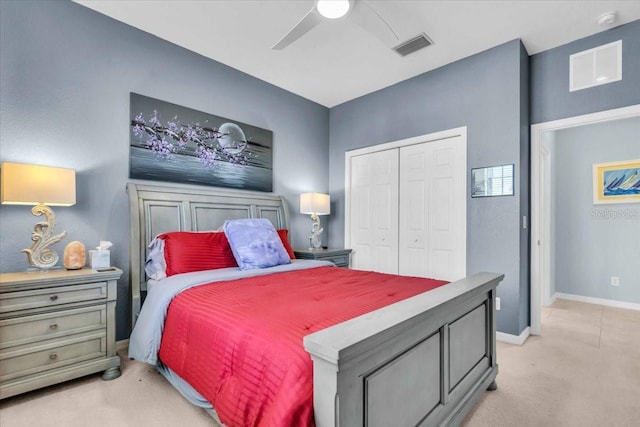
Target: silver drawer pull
[(53, 356), (53, 297), (53, 326)]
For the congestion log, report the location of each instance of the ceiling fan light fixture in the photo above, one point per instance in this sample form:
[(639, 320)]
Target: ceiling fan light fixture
[(333, 9)]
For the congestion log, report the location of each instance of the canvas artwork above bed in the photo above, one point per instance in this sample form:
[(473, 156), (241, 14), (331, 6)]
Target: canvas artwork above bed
[(169, 142)]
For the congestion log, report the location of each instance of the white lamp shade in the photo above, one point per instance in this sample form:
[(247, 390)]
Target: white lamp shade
[(23, 184), (315, 203)]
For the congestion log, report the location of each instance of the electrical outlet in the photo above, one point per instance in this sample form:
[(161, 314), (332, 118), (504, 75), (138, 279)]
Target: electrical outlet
[(498, 303), (615, 281)]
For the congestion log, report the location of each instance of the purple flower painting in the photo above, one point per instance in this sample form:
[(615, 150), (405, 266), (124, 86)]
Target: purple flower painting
[(169, 142)]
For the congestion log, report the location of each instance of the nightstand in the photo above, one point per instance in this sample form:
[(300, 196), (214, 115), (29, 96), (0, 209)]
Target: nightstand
[(56, 325), (339, 257)]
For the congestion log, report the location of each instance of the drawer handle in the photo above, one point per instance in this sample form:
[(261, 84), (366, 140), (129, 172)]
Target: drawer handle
[(53, 297), (53, 326), (53, 356)]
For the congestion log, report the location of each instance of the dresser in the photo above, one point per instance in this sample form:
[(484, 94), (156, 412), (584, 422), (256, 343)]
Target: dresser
[(339, 257), (55, 326)]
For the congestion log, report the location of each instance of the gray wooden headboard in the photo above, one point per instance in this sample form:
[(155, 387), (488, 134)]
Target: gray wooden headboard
[(156, 209)]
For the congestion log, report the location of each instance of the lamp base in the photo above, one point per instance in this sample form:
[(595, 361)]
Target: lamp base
[(40, 256), (315, 241)]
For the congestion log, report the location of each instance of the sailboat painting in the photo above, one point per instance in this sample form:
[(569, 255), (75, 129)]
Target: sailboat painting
[(616, 182)]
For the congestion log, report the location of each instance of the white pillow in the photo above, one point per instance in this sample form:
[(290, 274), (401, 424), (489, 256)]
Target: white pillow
[(155, 266)]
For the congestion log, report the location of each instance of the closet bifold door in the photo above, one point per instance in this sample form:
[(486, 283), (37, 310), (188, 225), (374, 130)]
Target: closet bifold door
[(432, 219), (374, 211), (413, 217)]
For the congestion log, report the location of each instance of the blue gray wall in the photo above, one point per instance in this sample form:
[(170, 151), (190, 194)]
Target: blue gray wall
[(550, 96), (595, 242), (524, 305), (487, 93), (65, 77)]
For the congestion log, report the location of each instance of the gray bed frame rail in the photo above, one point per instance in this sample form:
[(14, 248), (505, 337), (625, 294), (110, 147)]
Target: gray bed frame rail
[(425, 360)]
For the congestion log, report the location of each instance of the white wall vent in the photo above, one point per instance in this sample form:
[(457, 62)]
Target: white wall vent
[(597, 66)]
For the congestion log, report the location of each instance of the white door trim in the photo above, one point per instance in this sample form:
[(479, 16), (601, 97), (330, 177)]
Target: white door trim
[(540, 285), (449, 133)]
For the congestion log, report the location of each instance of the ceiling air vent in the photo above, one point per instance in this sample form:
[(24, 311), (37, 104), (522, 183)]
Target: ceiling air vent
[(411, 45)]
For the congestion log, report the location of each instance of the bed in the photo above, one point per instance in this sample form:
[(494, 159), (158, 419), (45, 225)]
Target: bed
[(437, 347)]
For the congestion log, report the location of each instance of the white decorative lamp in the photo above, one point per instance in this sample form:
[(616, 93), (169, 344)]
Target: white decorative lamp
[(315, 204), (23, 184)]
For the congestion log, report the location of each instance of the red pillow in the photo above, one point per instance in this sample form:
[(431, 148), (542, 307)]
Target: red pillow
[(284, 236), (186, 251)]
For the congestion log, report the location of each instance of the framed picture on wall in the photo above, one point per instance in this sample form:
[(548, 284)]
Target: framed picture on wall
[(492, 181), (616, 182), (169, 142)]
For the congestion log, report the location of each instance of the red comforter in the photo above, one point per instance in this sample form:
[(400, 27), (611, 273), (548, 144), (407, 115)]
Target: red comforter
[(239, 343)]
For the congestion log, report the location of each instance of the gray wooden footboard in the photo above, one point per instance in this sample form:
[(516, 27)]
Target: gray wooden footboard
[(422, 361)]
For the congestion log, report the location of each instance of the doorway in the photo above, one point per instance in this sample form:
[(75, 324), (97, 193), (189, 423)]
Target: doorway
[(541, 240)]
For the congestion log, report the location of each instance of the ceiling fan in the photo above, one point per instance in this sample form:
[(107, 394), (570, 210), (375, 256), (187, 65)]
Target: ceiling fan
[(358, 11)]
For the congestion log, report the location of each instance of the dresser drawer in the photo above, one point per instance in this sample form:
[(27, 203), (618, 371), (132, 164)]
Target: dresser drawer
[(339, 260), (23, 330), (51, 354), (52, 297), (339, 257)]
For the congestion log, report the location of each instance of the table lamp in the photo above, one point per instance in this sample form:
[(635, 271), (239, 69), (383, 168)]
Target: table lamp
[(23, 184), (315, 204)]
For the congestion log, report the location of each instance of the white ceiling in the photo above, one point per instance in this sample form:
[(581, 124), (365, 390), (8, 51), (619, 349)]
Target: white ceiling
[(338, 61)]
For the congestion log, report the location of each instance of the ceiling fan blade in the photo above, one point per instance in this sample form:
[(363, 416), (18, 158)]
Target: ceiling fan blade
[(310, 20), (368, 19)]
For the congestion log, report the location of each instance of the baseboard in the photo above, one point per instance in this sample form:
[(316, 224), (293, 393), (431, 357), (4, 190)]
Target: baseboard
[(600, 301), (551, 300), (122, 345), (513, 339)]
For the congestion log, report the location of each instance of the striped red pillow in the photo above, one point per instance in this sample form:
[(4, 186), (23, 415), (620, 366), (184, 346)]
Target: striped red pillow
[(185, 251)]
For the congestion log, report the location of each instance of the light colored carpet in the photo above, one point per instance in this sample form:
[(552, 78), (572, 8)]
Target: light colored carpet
[(583, 371)]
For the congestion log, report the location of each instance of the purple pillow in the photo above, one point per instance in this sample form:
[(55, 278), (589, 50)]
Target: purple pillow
[(255, 243)]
